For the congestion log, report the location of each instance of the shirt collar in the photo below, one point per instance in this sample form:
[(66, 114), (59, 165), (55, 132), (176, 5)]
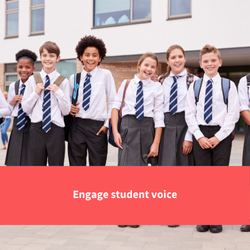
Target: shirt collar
[(215, 78), (183, 73), (144, 82), (51, 75), (93, 72)]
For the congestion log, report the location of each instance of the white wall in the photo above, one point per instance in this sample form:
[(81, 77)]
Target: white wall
[(223, 23)]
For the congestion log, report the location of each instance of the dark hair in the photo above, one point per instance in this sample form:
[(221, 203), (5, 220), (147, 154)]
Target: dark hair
[(26, 54), (91, 41), (51, 47)]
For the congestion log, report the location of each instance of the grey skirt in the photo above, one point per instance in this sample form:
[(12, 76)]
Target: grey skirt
[(137, 138), (173, 135), (246, 149)]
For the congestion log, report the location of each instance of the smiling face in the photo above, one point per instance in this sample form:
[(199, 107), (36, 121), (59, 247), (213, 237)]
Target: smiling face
[(90, 58), (24, 69), (147, 68), (49, 61), (210, 63), (176, 61)]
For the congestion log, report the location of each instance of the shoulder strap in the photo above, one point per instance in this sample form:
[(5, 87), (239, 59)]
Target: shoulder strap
[(123, 97), (37, 78), (162, 77), (77, 80), (225, 85), (197, 89), (190, 79), (59, 80), (248, 80), (17, 87)]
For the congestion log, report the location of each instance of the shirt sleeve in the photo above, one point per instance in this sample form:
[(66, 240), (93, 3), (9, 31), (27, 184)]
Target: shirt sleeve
[(233, 113), (243, 91), (11, 95), (158, 106), (5, 109), (118, 97)]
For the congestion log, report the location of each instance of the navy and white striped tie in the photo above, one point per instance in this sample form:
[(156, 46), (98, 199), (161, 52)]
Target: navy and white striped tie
[(139, 107), (21, 115), (173, 96), (208, 102), (86, 92), (46, 123)]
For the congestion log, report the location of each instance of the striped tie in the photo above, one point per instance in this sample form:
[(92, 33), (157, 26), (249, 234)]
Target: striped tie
[(21, 115), (173, 96), (46, 123), (86, 92), (208, 101), (139, 109)]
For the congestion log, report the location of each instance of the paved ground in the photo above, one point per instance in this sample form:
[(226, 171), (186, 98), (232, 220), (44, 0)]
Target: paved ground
[(114, 238)]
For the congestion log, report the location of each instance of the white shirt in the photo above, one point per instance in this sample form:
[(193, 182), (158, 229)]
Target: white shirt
[(223, 115), (182, 93), (152, 97), (244, 94), (60, 104), (5, 108), (102, 85)]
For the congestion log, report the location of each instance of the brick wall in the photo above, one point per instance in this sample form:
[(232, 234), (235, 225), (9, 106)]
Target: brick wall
[(2, 76)]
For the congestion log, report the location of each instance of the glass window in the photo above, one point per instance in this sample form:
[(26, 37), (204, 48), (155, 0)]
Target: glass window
[(37, 16), (179, 8), (12, 18), (9, 78), (66, 67), (111, 12)]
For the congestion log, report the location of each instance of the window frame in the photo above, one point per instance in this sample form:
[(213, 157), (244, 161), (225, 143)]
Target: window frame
[(144, 20), (12, 11), (7, 83), (180, 16), (36, 7)]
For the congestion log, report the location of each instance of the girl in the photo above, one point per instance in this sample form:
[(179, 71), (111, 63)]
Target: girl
[(18, 149), (176, 142), (138, 141)]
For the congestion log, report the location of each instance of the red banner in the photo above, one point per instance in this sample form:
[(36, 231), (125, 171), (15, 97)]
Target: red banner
[(125, 195)]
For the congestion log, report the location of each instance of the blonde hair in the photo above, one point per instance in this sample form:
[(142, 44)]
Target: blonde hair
[(144, 56), (208, 49), (51, 47)]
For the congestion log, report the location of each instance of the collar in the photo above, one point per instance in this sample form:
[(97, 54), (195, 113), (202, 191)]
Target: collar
[(93, 72), (215, 78), (144, 82), (183, 73), (51, 75)]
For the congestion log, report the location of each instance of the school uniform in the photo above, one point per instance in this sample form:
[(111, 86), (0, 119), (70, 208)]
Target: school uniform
[(18, 152), (49, 144), (138, 135), (88, 121), (176, 130), (222, 124), (5, 109)]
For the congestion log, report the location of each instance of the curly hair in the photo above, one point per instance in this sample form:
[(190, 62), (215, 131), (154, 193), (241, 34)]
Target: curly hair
[(91, 41), (27, 54)]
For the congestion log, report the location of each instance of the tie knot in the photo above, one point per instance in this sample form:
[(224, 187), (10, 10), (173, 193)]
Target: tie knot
[(209, 81), (176, 77), (23, 86), (47, 77), (88, 75), (140, 83)]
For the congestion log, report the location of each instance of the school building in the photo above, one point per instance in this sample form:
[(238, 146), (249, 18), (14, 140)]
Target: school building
[(129, 28)]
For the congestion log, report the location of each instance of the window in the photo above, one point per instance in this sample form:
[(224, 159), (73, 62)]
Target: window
[(66, 67), (179, 9), (115, 12), (9, 78), (12, 18), (37, 17)]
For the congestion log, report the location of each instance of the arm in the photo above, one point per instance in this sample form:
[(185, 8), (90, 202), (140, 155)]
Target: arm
[(5, 109), (155, 145), (12, 97), (114, 121)]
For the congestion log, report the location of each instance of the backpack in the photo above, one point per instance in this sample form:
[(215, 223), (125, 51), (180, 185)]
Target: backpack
[(248, 83)]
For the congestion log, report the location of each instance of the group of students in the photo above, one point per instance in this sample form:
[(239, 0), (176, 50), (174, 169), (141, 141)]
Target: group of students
[(173, 119)]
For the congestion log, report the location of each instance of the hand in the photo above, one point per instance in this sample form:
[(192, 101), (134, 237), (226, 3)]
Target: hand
[(15, 100), (74, 109), (155, 78), (153, 150), (39, 88), (20, 99), (118, 140), (102, 129), (187, 147), (214, 141), (204, 143), (53, 87)]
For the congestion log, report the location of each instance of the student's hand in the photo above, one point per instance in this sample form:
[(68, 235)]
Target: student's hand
[(39, 88), (15, 100), (155, 78), (53, 87), (102, 129), (118, 140), (214, 141), (74, 109), (187, 147), (153, 150), (204, 143), (20, 99)]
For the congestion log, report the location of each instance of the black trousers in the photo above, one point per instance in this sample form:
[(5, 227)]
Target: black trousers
[(48, 145), (82, 137), (219, 156)]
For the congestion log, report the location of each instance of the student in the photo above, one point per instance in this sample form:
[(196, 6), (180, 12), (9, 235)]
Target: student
[(18, 153), (176, 141), (89, 129), (210, 119), (244, 97), (46, 104)]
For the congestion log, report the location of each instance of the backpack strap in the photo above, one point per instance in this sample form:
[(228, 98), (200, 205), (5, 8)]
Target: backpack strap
[(37, 78), (59, 80), (161, 78), (190, 79), (225, 85), (77, 80), (123, 97), (17, 87), (248, 83), (197, 89)]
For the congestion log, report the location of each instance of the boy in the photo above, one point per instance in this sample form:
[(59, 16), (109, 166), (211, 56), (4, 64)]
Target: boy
[(244, 95), (47, 103), (210, 119), (89, 129)]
